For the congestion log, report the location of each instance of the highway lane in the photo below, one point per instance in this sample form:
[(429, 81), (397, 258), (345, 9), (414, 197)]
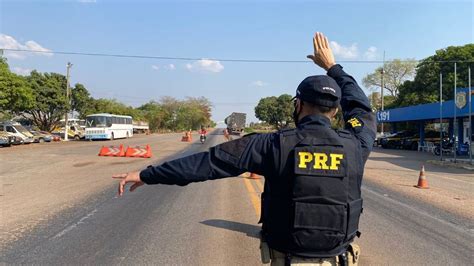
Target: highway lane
[(215, 223), (205, 223)]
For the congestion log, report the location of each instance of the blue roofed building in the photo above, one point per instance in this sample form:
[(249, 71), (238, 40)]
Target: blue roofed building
[(448, 111)]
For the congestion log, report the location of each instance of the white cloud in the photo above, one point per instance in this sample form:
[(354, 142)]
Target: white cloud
[(169, 67), (259, 83), (205, 65), (8, 42), (345, 52), (371, 53), (21, 71)]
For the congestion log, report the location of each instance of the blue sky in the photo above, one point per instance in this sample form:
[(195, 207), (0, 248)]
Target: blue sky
[(275, 30)]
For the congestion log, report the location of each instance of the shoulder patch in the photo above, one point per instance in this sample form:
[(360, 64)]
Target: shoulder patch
[(320, 161), (355, 123)]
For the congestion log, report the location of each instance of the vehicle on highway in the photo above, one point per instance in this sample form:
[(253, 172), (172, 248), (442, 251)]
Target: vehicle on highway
[(140, 127), (6, 140), (74, 121), (447, 147), (412, 142), (202, 138), (108, 126), (394, 141), (40, 137), (235, 123), (74, 132), (16, 129), (379, 136)]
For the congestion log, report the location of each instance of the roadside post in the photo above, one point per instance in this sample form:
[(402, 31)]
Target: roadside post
[(455, 129), (440, 116), (470, 115), (68, 67)]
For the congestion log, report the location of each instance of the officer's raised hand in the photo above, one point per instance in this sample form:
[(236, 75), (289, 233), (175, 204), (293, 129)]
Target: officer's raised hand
[(132, 177), (322, 56)]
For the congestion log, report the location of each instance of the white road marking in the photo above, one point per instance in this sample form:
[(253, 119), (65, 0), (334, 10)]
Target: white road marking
[(436, 174), (71, 227)]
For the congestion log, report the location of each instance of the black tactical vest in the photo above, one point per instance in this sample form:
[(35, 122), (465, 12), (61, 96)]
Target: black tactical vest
[(311, 207)]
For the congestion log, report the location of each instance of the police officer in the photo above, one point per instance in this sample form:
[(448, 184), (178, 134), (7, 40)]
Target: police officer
[(312, 199)]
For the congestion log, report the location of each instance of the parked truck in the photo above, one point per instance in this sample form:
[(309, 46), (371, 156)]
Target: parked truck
[(236, 123)]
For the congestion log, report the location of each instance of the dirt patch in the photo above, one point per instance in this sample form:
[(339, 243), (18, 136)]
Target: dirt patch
[(52, 178), (83, 164), (449, 189)]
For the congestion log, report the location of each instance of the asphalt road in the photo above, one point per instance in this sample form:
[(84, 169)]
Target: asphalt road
[(215, 223)]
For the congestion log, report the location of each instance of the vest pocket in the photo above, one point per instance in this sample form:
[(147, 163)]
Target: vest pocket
[(355, 209), (319, 226)]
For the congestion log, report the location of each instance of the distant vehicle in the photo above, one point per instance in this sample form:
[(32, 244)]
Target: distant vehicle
[(447, 147), (203, 138), (394, 141), (47, 134), (236, 123), (6, 140), (140, 127), (379, 136), (17, 130), (74, 132), (40, 137), (74, 121), (411, 142), (108, 126)]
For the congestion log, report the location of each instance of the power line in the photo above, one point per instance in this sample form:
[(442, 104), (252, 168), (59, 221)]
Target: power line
[(213, 59)]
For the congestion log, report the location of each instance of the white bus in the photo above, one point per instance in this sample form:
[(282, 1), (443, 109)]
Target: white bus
[(108, 126)]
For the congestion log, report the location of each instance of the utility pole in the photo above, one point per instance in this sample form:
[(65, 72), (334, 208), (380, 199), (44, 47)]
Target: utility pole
[(381, 90), (68, 67), (455, 129), (470, 116), (440, 116)]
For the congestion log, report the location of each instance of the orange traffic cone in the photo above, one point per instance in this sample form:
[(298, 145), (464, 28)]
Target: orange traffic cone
[(148, 151), (422, 183), (185, 138), (104, 150), (139, 151), (112, 151)]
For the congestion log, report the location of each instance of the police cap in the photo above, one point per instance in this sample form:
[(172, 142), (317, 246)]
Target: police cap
[(321, 90)]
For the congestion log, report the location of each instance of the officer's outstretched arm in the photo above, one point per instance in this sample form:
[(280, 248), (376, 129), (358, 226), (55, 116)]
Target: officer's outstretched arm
[(226, 160)]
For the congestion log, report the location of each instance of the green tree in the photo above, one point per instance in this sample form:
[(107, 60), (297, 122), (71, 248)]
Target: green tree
[(81, 101), (376, 103), (16, 94), (396, 73), (425, 87), (200, 109), (154, 114), (276, 111), (50, 99), (113, 106)]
